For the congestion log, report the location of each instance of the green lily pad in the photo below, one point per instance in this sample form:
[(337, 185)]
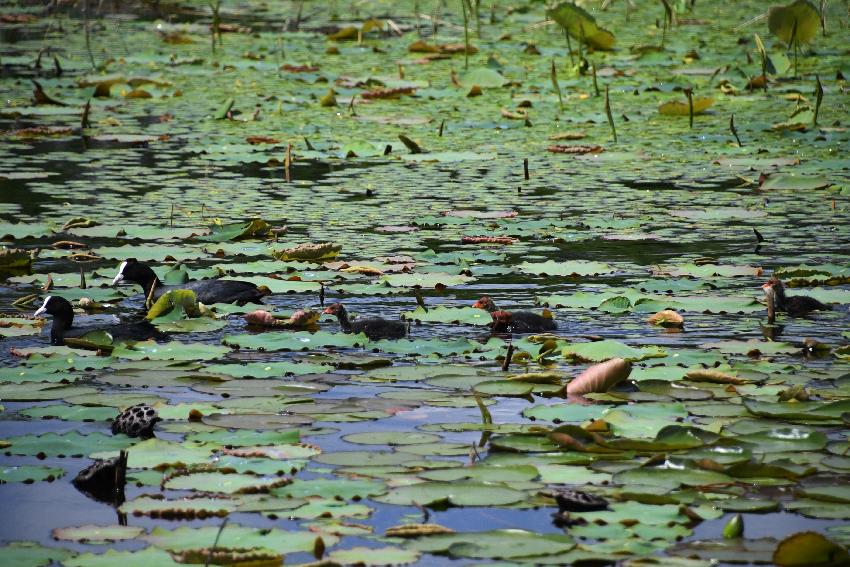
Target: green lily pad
[(223, 483), (455, 493), (29, 473), (97, 534), (32, 554), (374, 556), (495, 544)]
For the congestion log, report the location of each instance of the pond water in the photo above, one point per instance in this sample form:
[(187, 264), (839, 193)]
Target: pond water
[(727, 415)]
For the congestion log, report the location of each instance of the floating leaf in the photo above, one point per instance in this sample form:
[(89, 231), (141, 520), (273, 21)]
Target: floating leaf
[(797, 22), (97, 534), (374, 556), (309, 252), (809, 549), (680, 108), (582, 26), (600, 377)]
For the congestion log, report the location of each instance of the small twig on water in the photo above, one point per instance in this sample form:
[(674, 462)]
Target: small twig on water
[(473, 454), (734, 130), (287, 163), (86, 25), (818, 98), (84, 119), (215, 543), (426, 515), (465, 34), (595, 84), (554, 75), (609, 115), (508, 356), (690, 93), (525, 169)]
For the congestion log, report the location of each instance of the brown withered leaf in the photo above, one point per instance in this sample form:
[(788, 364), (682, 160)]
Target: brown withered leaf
[(254, 140), (388, 93), (575, 149), (456, 48), (667, 318), (17, 18), (416, 530), (487, 240), (714, 376), (299, 68), (421, 46), (40, 131), (571, 135), (600, 378), (520, 114), (229, 556)]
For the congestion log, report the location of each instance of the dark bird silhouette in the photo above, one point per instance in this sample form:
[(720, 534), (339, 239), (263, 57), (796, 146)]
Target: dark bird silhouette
[(63, 324), (372, 327), (207, 291), (793, 305), (515, 321)]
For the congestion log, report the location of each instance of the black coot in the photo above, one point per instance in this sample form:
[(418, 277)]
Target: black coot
[(793, 305), (207, 291), (63, 324), (516, 321), (372, 327)]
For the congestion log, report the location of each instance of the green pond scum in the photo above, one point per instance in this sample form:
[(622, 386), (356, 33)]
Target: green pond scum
[(628, 180)]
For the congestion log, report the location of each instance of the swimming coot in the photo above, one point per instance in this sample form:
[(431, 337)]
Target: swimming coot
[(207, 291), (515, 321), (63, 321), (794, 305), (372, 327)]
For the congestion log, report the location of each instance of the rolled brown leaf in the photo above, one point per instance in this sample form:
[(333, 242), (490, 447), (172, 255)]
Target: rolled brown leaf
[(600, 378)]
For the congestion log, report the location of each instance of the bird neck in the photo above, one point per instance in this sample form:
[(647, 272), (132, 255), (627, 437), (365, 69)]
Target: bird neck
[(779, 296), (145, 277), (62, 322), (151, 284), (344, 322)]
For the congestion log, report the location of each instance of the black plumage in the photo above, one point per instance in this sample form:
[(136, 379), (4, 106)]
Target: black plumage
[(515, 321), (372, 327), (207, 291), (793, 305), (63, 324)]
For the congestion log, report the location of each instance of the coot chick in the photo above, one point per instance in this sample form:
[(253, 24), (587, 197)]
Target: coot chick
[(63, 321), (793, 305), (515, 321), (372, 327), (207, 291)]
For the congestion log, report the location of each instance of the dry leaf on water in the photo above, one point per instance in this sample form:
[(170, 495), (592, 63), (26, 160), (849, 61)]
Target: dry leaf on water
[(600, 378)]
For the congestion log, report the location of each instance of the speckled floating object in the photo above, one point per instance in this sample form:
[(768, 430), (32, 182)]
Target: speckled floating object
[(136, 421)]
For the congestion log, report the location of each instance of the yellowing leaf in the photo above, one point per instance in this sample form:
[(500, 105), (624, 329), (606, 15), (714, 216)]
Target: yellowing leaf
[(797, 22), (680, 108), (314, 252), (349, 32)]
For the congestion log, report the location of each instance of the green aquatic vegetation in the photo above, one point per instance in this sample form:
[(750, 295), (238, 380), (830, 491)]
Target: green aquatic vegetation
[(408, 199)]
